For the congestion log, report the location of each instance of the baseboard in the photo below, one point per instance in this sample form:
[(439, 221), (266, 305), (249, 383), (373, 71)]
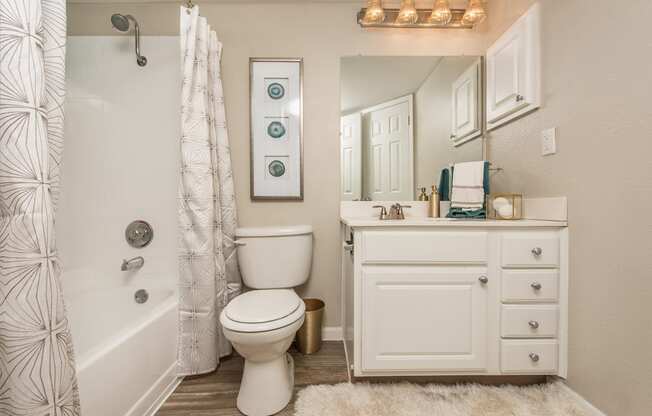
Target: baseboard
[(585, 404), (331, 333)]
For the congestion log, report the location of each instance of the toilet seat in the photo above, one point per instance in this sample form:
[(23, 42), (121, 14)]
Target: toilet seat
[(262, 310)]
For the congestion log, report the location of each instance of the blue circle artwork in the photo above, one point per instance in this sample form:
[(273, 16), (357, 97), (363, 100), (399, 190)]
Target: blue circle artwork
[(276, 129), (275, 91), (276, 168)]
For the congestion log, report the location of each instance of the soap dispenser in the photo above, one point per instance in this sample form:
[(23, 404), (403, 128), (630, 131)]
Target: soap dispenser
[(433, 206), (423, 196)]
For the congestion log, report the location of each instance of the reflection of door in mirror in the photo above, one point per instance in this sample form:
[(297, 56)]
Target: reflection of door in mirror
[(351, 157), (387, 143)]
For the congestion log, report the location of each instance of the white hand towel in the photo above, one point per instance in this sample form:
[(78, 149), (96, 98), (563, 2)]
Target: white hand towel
[(468, 189)]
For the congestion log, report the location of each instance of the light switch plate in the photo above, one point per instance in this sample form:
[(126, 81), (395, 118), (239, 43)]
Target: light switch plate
[(549, 141)]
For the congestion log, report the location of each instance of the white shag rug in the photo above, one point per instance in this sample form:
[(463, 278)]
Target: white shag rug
[(407, 399)]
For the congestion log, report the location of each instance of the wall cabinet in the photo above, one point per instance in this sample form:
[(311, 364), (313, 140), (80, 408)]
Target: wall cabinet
[(467, 105), (456, 299), (513, 71)]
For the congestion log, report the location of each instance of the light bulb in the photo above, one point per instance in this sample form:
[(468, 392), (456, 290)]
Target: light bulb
[(474, 13), (408, 14), (374, 13), (441, 13)]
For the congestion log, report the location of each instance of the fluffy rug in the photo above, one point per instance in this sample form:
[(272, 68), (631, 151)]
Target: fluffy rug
[(407, 399)]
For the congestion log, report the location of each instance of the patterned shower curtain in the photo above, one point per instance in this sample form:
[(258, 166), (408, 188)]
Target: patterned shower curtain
[(208, 269), (37, 369)]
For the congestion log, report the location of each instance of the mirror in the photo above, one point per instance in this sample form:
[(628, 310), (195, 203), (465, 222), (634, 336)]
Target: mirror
[(404, 120)]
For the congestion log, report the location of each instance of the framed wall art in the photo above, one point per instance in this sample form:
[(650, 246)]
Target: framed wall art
[(276, 117)]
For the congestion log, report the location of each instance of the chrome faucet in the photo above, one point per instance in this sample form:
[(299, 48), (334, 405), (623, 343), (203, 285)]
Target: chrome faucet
[(131, 264)]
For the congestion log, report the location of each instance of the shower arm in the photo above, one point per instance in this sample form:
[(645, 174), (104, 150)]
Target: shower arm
[(141, 60)]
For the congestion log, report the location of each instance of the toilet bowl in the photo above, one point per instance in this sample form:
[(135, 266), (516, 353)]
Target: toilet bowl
[(262, 322)]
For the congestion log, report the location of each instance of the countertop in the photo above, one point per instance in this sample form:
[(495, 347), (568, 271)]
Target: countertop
[(356, 222)]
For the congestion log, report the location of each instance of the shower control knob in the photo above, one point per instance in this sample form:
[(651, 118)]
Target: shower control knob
[(483, 279), (534, 357)]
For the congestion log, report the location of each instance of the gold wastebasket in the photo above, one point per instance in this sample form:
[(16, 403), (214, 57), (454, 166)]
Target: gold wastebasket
[(309, 335)]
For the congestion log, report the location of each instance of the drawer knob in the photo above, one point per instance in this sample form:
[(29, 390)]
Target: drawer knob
[(536, 285), (537, 251), (534, 357), (519, 98), (533, 324), (483, 279)]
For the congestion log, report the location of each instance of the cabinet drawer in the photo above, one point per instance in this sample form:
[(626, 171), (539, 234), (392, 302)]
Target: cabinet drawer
[(530, 285), (527, 249), (384, 247), (528, 321), (529, 356)]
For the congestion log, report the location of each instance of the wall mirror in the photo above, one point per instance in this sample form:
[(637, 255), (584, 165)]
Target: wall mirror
[(404, 119)]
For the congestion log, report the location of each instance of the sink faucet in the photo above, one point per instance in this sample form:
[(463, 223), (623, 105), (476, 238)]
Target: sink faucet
[(131, 264), (396, 211)]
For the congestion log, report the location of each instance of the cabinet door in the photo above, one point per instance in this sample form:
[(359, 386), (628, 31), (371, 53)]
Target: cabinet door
[(513, 71), (424, 319), (466, 105)]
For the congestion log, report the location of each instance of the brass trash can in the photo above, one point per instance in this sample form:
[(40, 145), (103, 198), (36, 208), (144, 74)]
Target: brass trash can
[(309, 335)]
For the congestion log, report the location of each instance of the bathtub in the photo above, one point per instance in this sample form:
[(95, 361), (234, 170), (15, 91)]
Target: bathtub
[(125, 352)]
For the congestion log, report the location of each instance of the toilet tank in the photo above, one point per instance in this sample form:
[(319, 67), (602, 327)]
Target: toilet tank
[(274, 257)]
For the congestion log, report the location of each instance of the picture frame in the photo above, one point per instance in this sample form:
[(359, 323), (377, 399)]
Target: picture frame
[(276, 129)]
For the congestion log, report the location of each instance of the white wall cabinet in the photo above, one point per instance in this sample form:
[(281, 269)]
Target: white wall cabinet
[(467, 105), (453, 299), (514, 71)]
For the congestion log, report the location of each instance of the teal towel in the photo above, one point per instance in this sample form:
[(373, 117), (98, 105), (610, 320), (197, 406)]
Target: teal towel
[(444, 185)]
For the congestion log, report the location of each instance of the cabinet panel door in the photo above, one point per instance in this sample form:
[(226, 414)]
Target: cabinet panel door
[(466, 105), (424, 319)]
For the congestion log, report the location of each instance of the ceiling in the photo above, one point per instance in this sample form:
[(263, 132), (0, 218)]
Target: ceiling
[(426, 4), (371, 80)]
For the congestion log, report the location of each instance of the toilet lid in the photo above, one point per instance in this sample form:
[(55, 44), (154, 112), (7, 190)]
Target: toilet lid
[(259, 306)]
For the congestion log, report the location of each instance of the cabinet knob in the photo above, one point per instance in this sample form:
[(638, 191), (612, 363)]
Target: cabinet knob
[(537, 251), (534, 357), (536, 285), (483, 279), (519, 98), (533, 324)]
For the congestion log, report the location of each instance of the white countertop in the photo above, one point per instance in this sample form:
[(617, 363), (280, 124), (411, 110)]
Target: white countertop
[(355, 222)]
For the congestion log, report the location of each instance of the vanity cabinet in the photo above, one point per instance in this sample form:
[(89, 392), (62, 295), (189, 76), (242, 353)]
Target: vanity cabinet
[(468, 297), (513, 71)]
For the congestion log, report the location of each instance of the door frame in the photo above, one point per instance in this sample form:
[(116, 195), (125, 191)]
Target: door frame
[(409, 99)]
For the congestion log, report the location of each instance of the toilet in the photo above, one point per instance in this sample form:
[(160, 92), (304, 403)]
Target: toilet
[(262, 322)]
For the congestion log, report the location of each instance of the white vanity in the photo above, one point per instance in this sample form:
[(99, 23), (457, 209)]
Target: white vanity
[(429, 296)]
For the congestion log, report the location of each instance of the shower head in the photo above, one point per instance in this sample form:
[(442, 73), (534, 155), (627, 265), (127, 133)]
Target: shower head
[(122, 22)]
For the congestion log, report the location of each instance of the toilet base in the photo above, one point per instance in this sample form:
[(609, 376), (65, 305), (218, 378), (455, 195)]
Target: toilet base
[(266, 387)]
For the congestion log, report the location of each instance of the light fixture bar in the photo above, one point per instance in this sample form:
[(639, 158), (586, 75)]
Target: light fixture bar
[(422, 23)]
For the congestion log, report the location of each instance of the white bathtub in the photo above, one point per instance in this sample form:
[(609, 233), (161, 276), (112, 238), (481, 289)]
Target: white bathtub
[(125, 351)]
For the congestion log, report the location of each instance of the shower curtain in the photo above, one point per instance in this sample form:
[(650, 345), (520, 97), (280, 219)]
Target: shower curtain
[(37, 369), (208, 269)]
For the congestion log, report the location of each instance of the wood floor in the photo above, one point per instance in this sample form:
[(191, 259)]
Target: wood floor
[(215, 394)]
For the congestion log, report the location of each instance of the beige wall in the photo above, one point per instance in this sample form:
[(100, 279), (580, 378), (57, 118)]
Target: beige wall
[(597, 86), (320, 33), (597, 77), (433, 114)]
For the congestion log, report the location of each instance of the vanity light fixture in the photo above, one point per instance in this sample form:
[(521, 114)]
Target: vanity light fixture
[(407, 15), (441, 16), (374, 13), (474, 13), (441, 13)]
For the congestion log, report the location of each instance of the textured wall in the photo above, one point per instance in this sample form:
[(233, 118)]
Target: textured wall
[(433, 114), (597, 79)]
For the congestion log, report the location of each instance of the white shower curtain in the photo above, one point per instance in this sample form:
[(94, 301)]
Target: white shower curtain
[(37, 369), (208, 269)]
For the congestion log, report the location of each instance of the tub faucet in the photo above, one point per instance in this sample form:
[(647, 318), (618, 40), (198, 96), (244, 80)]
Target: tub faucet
[(131, 264)]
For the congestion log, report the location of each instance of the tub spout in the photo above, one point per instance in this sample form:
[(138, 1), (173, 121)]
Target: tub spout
[(132, 264)]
